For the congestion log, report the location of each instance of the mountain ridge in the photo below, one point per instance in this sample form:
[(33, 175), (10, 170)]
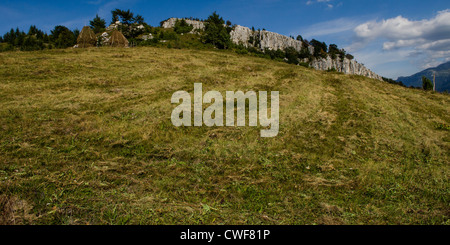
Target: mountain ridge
[(442, 77)]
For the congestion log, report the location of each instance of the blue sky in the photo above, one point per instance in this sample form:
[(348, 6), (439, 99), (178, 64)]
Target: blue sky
[(393, 38)]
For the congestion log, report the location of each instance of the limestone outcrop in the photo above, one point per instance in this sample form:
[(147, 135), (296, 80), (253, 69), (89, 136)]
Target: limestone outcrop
[(263, 39), (345, 66), (170, 23)]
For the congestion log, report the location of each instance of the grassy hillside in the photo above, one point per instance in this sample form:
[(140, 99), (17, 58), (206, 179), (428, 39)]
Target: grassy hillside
[(86, 138)]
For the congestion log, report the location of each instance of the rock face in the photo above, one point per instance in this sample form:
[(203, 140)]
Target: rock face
[(345, 66), (104, 38), (263, 39), (170, 23)]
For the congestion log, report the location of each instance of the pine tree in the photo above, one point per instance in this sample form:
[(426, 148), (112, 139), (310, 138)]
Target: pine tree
[(98, 24), (62, 37), (427, 84), (216, 33)]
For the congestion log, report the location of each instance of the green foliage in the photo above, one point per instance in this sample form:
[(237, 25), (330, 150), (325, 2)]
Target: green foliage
[(304, 52), (33, 40), (124, 16), (291, 55), (98, 24), (181, 26), (241, 51), (275, 54), (392, 81), (426, 84), (443, 126), (130, 22), (62, 37), (332, 69), (320, 48), (168, 35), (6, 47), (216, 33), (34, 31)]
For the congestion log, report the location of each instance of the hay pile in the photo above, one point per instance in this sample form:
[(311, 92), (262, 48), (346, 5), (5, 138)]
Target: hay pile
[(86, 38), (117, 39)]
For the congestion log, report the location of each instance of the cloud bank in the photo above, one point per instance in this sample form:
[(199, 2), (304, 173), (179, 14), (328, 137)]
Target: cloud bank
[(428, 40)]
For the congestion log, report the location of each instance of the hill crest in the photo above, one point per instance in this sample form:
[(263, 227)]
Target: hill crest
[(263, 39)]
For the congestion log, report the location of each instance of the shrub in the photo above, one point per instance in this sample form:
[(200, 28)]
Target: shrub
[(181, 26), (427, 84), (291, 55)]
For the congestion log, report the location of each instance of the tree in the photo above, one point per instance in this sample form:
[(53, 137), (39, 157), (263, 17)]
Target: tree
[(304, 52), (216, 32), (31, 42), (125, 17), (76, 33), (19, 37), (34, 31), (139, 19), (131, 25), (320, 48), (98, 24), (300, 38), (62, 37), (427, 84), (181, 26), (349, 56), (291, 55)]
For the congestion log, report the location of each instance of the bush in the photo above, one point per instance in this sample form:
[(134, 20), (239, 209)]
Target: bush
[(291, 55), (304, 64), (241, 51), (6, 47), (181, 26), (427, 84), (167, 35), (332, 70)]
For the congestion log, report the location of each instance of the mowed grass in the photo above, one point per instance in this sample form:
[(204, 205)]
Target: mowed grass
[(86, 138)]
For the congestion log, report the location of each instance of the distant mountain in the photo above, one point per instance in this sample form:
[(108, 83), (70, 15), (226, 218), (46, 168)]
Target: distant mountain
[(442, 77)]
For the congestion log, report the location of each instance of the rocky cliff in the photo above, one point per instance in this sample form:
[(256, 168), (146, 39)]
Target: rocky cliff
[(263, 39), (170, 23), (345, 66)]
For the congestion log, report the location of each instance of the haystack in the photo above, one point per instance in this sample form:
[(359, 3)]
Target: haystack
[(86, 38), (117, 39)]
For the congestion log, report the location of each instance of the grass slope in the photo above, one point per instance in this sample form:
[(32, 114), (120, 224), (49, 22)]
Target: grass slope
[(86, 138)]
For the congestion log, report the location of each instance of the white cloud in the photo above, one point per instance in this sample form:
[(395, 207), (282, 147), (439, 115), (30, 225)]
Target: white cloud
[(328, 28), (428, 37), (327, 2)]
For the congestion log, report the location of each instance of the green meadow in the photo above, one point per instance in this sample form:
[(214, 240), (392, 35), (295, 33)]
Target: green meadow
[(86, 138)]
